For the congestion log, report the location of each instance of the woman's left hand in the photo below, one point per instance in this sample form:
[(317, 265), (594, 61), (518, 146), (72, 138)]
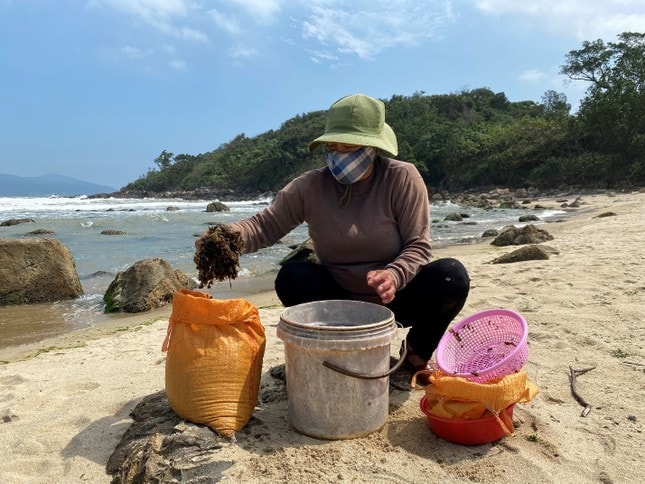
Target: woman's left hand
[(383, 283)]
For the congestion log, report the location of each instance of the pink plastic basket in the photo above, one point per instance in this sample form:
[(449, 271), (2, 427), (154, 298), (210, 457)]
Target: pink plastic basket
[(486, 345)]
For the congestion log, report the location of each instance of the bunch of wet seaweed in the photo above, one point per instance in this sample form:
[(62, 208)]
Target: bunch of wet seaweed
[(217, 258)]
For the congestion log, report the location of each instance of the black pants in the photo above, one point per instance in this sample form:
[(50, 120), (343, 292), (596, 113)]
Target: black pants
[(427, 304)]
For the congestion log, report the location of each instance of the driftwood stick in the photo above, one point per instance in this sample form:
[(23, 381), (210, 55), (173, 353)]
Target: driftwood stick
[(583, 370), (573, 374)]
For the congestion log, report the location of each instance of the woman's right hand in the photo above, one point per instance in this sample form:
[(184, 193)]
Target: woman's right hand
[(383, 283)]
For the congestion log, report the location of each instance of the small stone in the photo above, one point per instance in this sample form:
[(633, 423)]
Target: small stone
[(9, 416)]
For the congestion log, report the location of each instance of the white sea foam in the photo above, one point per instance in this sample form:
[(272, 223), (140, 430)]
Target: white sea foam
[(153, 231)]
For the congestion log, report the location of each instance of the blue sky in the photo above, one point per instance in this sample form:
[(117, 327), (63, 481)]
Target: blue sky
[(96, 89)]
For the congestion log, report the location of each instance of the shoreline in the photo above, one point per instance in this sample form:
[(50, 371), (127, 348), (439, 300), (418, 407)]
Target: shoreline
[(65, 410), (257, 290)]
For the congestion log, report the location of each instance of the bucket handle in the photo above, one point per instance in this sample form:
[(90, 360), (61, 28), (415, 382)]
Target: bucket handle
[(363, 376)]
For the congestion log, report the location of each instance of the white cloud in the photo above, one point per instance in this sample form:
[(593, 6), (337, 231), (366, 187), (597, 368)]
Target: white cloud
[(160, 14), (226, 22), (190, 34), (133, 52), (586, 19), (260, 12), (333, 28), (242, 52), (151, 11), (321, 55), (365, 28), (125, 53), (532, 75), (178, 65), (263, 11)]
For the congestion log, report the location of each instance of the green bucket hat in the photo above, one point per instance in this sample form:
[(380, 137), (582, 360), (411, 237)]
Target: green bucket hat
[(358, 120)]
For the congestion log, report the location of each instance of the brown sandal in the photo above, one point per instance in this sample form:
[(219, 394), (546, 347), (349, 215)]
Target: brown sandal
[(422, 369)]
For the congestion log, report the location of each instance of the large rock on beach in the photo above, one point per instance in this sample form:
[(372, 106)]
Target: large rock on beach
[(529, 252), (161, 447), (529, 234), (37, 270), (146, 285)]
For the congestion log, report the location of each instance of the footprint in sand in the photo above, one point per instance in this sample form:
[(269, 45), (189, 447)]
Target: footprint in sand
[(12, 380), (82, 386)]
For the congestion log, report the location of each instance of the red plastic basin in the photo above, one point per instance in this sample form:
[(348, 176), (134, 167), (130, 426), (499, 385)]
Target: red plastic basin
[(467, 432)]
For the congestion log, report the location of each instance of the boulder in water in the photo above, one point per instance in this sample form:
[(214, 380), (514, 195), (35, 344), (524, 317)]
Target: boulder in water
[(217, 207), (16, 221)]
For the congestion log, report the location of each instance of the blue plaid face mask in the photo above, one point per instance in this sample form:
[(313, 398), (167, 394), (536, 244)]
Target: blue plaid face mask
[(348, 168)]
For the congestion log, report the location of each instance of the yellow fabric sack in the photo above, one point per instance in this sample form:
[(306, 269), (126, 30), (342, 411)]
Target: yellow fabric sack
[(457, 398), (214, 361)]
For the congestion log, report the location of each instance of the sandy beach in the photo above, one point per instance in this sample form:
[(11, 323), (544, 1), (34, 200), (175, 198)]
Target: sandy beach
[(65, 403)]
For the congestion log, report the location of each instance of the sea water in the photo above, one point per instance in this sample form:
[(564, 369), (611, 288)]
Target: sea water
[(167, 229)]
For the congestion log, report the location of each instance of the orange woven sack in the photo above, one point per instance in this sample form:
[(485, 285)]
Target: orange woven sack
[(214, 362), (457, 398)]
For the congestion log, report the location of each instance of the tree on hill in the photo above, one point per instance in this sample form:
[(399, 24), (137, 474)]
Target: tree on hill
[(460, 140), (611, 119)]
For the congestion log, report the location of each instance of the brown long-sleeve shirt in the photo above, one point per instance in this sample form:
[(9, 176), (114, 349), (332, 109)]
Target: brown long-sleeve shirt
[(384, 226)]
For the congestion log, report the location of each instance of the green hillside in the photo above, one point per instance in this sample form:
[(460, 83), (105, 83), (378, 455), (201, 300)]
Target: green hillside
[(461, 140)]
